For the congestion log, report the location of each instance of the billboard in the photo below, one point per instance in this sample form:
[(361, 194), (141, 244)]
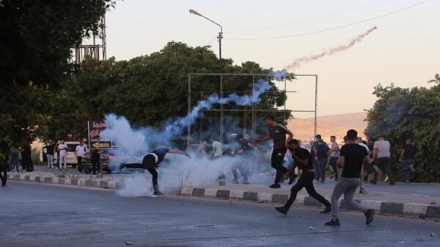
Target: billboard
[(95, 141)]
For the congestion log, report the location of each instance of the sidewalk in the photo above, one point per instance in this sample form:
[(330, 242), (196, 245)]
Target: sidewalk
[(419, 205)]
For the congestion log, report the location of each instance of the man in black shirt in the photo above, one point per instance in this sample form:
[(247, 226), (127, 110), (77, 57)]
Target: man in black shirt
[(278, 133), (304, 162), (407, 155), (352, 156), (151, 161)]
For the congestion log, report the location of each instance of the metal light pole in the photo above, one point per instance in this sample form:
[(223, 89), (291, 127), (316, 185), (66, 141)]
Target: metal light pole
[(220, 34), (220, 37)]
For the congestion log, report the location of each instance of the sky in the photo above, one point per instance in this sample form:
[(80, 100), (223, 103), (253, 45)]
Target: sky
[(334, 41)]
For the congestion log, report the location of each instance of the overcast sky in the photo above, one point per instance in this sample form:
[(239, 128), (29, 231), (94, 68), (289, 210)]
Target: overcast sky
[(351, 56)]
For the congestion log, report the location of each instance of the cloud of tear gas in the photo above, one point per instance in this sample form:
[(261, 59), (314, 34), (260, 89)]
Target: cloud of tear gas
[(297, 62), (176, 170), (391, 118)]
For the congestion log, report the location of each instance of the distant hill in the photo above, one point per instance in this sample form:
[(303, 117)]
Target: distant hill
[(337, 125)]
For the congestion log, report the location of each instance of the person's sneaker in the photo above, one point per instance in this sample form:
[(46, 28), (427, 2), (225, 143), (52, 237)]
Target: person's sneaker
[(369, 215), (392, 183), (275, 186), (326, 210), (246, 182), (282, 210), (333, 222), (373, 182), (157, 193), (235, 181)]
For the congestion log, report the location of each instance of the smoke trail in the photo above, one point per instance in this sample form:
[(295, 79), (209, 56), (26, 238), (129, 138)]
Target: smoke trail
[(297, 62), (133, 142), (259, 88)]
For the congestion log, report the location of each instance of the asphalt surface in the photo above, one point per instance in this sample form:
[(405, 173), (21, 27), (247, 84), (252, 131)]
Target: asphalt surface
[(414, 200), (47, 215)]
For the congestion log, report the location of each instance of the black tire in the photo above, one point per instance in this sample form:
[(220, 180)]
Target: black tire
[(87, 169)]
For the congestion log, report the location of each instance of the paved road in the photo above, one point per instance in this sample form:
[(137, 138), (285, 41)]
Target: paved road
[(412, 200), (34, 214)]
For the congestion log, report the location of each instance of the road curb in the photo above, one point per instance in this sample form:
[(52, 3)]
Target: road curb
[(382, 207), (84, 180)]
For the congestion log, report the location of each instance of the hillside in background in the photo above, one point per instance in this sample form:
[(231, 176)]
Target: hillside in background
[(337, 125)]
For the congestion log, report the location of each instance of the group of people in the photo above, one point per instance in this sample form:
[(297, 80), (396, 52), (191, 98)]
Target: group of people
[(326, 157), (351, 156), (354, 156), (61, 150), (20, 159), (239, 148)]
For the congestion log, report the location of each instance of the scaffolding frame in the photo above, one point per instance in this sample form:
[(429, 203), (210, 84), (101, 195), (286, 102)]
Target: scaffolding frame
[(253, 110)]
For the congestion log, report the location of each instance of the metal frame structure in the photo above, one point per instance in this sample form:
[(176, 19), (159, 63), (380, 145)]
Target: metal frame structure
[(95, 50), (253, 110)]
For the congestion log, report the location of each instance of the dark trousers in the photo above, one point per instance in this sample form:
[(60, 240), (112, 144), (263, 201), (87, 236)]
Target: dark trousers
[(96, 167), (149, 163), (277, 159), (334, 166), (305, 181), (80, 166), (3, 174), (384, 164)]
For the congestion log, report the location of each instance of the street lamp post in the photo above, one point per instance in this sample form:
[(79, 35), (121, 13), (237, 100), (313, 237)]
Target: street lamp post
[(220, 34), (220, 37)]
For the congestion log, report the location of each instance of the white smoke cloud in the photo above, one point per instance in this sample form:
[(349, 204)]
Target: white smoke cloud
[(176, 170)]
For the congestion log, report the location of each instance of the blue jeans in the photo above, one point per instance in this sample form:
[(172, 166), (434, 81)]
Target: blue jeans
[(49, 160), (346, 186), (407, 166), (320, 168)]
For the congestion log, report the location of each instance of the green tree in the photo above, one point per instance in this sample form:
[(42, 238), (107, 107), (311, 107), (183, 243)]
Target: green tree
[(400, 113), (151, 89), (35, 45)]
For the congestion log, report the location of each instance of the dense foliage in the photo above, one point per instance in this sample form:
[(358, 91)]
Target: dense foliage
[(152, 89), (36, 38), (400, 113)]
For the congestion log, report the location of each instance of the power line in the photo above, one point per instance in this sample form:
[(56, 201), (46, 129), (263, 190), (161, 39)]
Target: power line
[(333, 28), (308, 20)]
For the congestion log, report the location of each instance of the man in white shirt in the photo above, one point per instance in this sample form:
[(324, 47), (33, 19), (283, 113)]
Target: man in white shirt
[(62, 159), (80, 151), (382, 159), (334, 155)]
